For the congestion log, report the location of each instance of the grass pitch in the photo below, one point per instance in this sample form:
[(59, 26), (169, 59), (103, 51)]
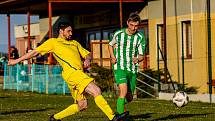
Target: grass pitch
[(26, 106)]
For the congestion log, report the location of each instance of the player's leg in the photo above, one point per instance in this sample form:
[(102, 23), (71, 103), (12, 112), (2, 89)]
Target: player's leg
[(120, 77), (131, 86), (80, 103), (84, 83), (88, 86), (121, 98), (95, 91), (72, 109), (133, 82)]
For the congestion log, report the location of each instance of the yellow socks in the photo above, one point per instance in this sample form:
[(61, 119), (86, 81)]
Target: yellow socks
[(100, 102), (103, 105), (72, 109)]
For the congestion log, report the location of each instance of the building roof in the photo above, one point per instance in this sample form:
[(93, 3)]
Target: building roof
[(40, 7)]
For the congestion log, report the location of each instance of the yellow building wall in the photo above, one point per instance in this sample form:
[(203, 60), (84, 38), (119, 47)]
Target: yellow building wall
[(196, 69)]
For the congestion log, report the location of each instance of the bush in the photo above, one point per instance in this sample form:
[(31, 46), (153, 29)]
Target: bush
[(103, 77), (189, 90)]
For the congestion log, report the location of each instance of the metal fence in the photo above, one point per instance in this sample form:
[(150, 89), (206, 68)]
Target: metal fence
[(35, 78)]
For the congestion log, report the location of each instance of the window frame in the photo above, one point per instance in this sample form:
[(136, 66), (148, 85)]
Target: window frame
[(160, 41), (186, 40)]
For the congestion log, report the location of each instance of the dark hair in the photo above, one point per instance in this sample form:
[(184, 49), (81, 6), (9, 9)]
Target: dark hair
[(134, 17), (62, 25), (14, 54)]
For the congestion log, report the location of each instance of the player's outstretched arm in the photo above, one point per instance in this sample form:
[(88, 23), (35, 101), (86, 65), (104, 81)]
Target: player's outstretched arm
[(24, 57)]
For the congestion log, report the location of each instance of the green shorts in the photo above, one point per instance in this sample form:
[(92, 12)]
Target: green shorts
[(123, 76)]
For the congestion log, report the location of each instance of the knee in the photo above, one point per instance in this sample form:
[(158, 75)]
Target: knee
[(93, 90), (97, 91), (122, 93), (123, 88), (82, 105)]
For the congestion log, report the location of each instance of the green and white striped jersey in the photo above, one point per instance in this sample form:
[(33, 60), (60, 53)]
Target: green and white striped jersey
[(125, 48)]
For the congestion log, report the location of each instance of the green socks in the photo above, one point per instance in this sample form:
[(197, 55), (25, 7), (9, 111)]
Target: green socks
[(120, 105)]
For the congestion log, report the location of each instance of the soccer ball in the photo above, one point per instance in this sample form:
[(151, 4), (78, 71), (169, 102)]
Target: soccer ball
[(180, 99), (23, 73)]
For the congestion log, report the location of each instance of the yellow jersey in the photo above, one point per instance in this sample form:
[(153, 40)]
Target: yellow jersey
[(67, 53)]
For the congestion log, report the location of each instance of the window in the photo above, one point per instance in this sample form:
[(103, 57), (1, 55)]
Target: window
[(98, 35), (94, 35), (91, 36), (107, 34), (160, 40), (186, 39)]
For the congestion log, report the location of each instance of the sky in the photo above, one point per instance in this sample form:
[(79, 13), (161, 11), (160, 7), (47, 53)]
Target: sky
[(15, 20)]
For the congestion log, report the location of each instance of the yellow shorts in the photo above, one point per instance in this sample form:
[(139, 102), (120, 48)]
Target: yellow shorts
[(77, 82)]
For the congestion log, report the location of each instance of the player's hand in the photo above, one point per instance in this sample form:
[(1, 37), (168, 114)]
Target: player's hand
[(12, 62), (113, 60), (135, 60), (86, 63)]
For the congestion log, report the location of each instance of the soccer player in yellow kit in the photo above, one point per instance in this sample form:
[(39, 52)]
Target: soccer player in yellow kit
[(68, 53)]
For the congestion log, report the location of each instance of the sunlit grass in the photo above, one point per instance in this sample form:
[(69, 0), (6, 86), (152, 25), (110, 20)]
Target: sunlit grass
[(26, 106)]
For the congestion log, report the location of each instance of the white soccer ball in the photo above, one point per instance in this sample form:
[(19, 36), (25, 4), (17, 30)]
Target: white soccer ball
[(23, 73), (180, 99)]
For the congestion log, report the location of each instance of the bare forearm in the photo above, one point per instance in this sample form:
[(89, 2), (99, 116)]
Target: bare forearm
[(28, 55), (111, 51), (113, 58)]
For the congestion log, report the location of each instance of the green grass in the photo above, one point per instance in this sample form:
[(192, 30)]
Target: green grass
[(26, 106)]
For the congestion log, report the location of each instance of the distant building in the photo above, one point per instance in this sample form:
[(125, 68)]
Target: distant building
[(21, 35), (186, 34)]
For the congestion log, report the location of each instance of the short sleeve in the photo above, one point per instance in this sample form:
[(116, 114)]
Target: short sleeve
[(46, 47), (82, 50), (141, 46), (112, 41)]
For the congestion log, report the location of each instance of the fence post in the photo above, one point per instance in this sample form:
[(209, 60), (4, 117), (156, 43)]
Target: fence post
[(5, 75), (10, 77), (17, 77), (32, 77), (47, 78)]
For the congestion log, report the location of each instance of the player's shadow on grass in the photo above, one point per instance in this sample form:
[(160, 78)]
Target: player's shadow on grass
[(24, 111), (180, 116), (2, 97), (140, 116)]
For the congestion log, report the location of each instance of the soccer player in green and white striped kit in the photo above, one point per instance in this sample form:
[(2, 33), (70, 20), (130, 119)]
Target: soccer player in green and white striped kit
[(127, 50)]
